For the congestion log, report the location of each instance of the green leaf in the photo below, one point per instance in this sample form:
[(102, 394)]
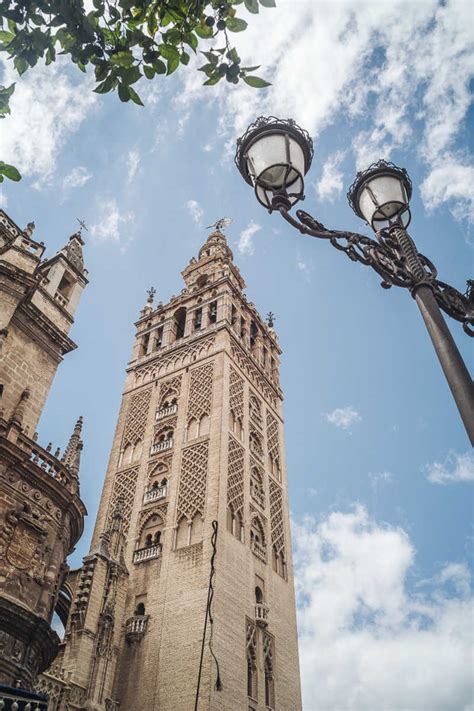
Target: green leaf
[(207, 69), (213, 80), (124, 92), (148, 71), (20, 64), (191, 39), (203, 31), (105, 86), (185, 58), (159, 66), (129, 75), (173, 64), (169, 52), (250, 69), (134, 96), (9, 171), (268, 3), (235, 24), (211, 57), (252, 6), (122, 59), (256, 82), (233, 56), (6, 36)]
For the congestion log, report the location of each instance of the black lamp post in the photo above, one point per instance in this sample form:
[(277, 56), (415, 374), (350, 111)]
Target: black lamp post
[(274, 155)]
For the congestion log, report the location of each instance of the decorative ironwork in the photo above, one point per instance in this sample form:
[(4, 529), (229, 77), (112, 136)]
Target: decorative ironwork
[(395, 258)]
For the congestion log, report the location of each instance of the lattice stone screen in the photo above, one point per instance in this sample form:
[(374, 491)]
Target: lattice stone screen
[(124, 487), (192, 481), (136, 417), (200, 392), (235, 477), (276, 518)]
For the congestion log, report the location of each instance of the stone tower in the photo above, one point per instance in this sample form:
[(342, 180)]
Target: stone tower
[(41, 513), (199, 439)]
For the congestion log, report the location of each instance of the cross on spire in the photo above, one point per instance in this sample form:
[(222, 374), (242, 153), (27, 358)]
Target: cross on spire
[(83, 225), (220, 224)]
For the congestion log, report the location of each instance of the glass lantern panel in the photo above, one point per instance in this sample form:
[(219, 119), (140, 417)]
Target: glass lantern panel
[(268, 159), (383, 199)]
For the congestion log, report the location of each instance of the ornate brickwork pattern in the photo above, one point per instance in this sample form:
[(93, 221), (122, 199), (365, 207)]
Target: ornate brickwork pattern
[(124, 488), (258, 379), (136, 417), (236, 395), (276, 518), (146, 514), (273, 438), (192, 482), (200, 392), (255, 411), (235, 477), (257, 483), (156, 466), (170, 388), (178, 358), (268, 655), (168, 424)]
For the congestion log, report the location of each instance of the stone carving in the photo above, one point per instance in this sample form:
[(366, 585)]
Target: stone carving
[(236, 395), (258, 379), (169, 389), (180, 357), (235, 477), (136, 418), (276, 518), (200, 392), (124, 488), (192, 482)]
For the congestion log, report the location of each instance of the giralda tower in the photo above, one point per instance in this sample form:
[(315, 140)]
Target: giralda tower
[(199, 439)]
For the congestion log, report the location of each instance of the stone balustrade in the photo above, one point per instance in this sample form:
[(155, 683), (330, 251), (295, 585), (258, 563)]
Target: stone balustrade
[(161, 446), (136, 624), (61, 299), (19, 700), (153, 494), (166, 412), (143, 554), (261, 614)]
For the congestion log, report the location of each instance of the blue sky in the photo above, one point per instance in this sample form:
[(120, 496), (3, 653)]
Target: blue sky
[(379, 466)]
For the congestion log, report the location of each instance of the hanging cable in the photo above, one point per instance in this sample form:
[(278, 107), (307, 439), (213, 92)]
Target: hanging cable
[(209, 617)]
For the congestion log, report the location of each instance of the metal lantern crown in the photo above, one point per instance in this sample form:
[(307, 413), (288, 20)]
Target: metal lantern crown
[(274, 155), (381, 195)]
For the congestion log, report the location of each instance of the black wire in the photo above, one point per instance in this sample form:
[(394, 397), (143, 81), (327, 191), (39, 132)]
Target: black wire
[(210, 596)]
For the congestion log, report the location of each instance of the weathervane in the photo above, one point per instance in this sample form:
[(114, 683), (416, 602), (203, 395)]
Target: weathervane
[(83, 225), (151, 294), (220, 224), (270, 319)]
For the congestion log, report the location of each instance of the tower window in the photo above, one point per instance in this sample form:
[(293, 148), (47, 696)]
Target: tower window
[(145, 344), (159, 337), (243, 329), (253, 334), (213, 312), (197, 322), (180, 322), (233, 317)]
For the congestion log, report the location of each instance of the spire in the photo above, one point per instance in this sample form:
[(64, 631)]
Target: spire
[(73, 251), (72, 454), (216, 246), (148, 308)]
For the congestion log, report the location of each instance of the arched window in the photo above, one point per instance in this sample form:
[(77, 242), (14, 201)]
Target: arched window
[(258, 595), (140, 609), (151, 532), (257, 492), (180, 322)]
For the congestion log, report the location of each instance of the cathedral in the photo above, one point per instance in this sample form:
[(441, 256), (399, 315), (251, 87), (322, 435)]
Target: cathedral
[(186, 599)]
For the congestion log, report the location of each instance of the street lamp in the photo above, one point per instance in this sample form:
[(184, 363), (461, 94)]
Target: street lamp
[(274, 155)]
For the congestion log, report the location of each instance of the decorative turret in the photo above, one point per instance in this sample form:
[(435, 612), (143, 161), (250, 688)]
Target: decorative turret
[(72, 454), (64, 276)]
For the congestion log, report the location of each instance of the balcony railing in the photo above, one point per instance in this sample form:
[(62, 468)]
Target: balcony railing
[(136, 625), (159, 492), (22, 700), (258, 496), (161, 446), (260, 551), (112, 705), (261, 614), (166, 412), (147, 553)]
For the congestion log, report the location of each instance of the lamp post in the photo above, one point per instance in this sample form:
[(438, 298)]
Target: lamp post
[(274, 155)]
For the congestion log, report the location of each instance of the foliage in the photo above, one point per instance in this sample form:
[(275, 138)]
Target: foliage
[(124, 40)]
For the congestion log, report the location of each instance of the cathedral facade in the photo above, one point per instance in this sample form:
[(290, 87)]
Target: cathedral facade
[(186, 598)]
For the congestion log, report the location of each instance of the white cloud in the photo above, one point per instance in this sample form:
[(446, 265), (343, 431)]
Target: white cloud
[(245, 245), (195, 210), (367, 642), (133, 162), (378, 478), (403, 68), (331, 184), (450, 181), (3, 199), (455, 468), (111, 224), (303, 267), (76, 178), (48, 105), (343, 417)]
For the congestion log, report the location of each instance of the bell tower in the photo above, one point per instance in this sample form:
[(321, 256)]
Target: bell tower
[(199, 440)]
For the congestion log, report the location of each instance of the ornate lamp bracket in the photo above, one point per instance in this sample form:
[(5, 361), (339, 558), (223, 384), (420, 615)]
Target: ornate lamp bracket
[(395, 258)]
